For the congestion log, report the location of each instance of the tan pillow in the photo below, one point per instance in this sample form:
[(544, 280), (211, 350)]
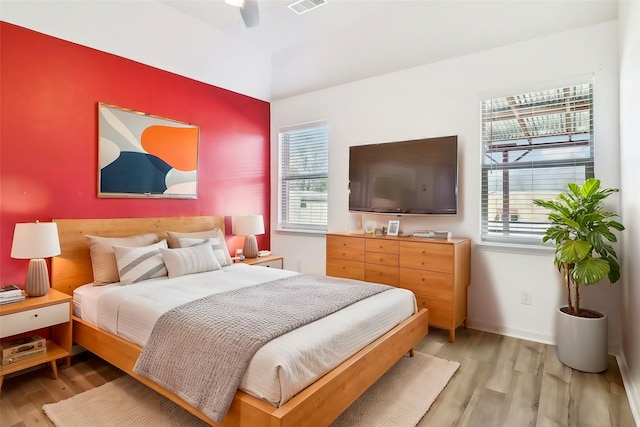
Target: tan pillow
[(103, 260), (174, 240)]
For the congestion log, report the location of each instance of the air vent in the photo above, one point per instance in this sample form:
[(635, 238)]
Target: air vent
[(303, 6)]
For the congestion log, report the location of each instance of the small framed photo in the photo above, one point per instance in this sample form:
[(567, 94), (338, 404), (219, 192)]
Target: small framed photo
[(394, 226)]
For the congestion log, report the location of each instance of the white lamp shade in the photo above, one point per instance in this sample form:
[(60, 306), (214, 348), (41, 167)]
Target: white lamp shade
[(35, 240), (248, 225)]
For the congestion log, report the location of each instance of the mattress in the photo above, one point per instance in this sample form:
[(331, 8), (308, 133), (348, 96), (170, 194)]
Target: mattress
[(281, 368)]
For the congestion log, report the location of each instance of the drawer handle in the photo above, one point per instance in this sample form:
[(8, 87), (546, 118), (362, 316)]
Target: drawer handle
[(35, 315), (422, 278)]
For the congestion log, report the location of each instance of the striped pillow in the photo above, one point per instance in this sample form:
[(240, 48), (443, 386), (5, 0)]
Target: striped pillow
[(218, 250), (136, 264), (195, 259), (103, 262)]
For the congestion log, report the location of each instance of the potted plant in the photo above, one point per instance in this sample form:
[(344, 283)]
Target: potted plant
[(582, 231)]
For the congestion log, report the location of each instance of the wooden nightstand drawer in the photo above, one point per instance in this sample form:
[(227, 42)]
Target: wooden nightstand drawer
[(274, 263), (36, 318)]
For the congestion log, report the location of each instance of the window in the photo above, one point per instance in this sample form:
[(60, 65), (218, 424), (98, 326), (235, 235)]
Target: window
[(533, 145), (303, 176)]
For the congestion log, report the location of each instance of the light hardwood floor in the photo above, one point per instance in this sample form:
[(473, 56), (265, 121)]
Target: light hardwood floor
[(502, 381)]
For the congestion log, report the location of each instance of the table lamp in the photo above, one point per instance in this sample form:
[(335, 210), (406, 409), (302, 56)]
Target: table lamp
[(36, 241), (249, 226)]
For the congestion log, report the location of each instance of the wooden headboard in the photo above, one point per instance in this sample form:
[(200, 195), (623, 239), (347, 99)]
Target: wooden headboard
[(72, 268)]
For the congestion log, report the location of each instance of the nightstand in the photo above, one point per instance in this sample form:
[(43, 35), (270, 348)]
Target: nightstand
[(273, 261), (51, 310)]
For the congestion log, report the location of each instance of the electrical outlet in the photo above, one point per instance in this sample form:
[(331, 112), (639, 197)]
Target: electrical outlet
[(526, 297)]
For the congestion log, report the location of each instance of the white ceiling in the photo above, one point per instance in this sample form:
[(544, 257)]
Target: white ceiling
[(347, 40), (287, 54)]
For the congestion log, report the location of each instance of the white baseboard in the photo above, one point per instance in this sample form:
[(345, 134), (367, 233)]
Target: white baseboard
[(633, 394), (510, 332)]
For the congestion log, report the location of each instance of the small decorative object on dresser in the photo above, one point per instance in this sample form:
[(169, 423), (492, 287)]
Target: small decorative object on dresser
[(394, 227)]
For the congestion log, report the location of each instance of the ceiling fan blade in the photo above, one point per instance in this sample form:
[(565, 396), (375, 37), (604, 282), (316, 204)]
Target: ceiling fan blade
[(250, 13)]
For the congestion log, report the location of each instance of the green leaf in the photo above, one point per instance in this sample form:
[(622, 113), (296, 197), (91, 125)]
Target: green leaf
[(589, 187), (573, 251), (616, 225), (590, 271)]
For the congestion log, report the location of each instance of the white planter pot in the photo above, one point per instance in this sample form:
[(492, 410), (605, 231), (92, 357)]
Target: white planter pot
[(582, 342)]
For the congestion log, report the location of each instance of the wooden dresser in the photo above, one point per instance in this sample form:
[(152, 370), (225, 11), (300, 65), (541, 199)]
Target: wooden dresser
[(436, 270)]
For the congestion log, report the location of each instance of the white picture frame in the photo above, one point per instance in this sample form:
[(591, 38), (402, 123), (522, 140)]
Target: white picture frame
[(393, 227)]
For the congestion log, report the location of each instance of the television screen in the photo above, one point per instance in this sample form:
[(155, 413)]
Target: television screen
[(405, 177)]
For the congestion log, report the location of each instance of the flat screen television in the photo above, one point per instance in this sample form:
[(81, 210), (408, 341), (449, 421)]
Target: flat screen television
[(405, 177)]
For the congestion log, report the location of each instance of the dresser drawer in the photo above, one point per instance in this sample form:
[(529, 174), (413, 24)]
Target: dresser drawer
[(432, 257), (346, 269), (428, 283), (381, 274), (440, 312), (382, 259), (383, 246), (345, 248), (36, 318)]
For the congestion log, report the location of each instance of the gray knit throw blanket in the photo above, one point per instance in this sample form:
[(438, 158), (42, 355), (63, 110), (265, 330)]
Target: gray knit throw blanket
[(200, 350)]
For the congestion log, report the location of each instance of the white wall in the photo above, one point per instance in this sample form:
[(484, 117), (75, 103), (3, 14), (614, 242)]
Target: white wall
[(443, 99), (630, 155)]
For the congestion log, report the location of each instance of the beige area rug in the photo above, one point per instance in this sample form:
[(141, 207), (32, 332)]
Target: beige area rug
[(399, 399)]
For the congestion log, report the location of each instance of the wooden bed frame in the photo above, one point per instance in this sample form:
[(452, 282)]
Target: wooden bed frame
[(317, 405)]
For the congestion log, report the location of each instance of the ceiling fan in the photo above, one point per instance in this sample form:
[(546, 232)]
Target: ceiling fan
[(248, 10)]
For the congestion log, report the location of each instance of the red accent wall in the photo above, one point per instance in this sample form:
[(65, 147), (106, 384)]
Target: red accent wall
[(50, 89)]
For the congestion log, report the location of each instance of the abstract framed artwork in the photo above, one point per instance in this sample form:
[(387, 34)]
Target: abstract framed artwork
[(140, 155)]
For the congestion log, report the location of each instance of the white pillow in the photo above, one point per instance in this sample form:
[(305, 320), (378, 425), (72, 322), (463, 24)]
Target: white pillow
[(174, 240), (136, 264), (103, 261), (195, 259), (214, 242)]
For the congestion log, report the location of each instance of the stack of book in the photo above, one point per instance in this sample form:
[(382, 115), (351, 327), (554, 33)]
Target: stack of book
[(10, 293), (22, 348)]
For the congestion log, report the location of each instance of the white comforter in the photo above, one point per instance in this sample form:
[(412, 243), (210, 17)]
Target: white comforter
[(281, 368)]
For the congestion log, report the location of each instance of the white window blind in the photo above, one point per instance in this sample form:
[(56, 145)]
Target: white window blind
[(533, 145), (304, 169)]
